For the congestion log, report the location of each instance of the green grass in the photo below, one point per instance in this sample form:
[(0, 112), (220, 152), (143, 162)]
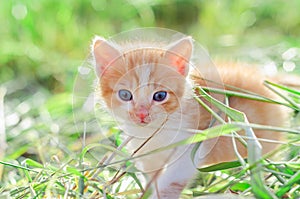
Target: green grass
[(84, 165), (55, 149)]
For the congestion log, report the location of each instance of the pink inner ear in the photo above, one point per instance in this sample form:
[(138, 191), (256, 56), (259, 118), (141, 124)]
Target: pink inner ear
[(104, 54), (180, 63), (179, 53), (100, 65)]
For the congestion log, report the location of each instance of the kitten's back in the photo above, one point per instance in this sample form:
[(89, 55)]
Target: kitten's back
[(248, 79)]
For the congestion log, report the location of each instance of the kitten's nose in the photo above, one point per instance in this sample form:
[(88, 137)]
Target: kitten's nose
[(142, 113)]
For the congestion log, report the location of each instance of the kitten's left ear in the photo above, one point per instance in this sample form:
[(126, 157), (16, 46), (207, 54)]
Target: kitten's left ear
[(179, 53)]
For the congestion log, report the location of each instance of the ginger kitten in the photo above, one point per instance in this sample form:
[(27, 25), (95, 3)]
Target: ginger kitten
[(149, 91)]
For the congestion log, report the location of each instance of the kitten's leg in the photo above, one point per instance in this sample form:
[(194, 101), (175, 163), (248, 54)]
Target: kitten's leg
[(175, 177)]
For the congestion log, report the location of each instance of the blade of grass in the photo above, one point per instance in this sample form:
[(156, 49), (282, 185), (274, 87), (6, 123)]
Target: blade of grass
[(254, 148), (3, 143), (110, 148), (106, 160), (238, 92), (201, 136), (232, 113), (269, 128), (214, 114), (33, 163), (285, 88), (81, 166), (289, 184), (220, 166), (17, 166), (254, 156), (284, 97), (250, 96), (133, 175)]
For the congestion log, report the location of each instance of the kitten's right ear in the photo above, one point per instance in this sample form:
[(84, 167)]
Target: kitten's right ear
[(104, 54)]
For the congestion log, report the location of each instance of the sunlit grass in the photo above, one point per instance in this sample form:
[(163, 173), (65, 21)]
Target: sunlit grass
[(98, 168), (43, 42)]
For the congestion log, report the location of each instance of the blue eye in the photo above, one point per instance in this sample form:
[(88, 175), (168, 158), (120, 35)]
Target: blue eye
[(159, 96), (125, 95)]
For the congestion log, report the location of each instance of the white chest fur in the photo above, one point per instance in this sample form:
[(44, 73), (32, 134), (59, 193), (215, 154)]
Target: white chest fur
[(163, 132)]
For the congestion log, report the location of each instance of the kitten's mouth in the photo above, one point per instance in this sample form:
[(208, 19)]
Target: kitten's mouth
[(141, 121)]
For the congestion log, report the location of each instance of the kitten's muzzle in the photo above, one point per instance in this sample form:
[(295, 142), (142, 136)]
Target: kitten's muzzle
[(141, 116)]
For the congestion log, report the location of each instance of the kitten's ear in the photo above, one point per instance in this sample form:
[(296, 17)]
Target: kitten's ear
[(179, 53), (104, 54)]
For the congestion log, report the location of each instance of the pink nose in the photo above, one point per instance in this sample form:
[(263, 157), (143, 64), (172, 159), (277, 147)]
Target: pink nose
[(142, 116), (142, 113)]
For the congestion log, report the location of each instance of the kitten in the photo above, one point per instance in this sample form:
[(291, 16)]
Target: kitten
[(149, 91)]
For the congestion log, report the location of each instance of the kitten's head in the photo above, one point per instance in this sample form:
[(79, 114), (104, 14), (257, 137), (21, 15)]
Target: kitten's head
[(144, 85)]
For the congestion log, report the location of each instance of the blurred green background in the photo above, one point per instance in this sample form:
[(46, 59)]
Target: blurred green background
[(42, 43)]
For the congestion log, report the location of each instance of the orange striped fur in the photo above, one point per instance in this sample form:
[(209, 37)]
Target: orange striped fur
[(145, 71)]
